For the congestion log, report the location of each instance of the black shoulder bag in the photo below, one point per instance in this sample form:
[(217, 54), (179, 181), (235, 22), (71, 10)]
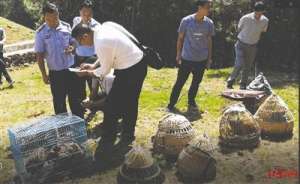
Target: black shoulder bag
[(151, 56)]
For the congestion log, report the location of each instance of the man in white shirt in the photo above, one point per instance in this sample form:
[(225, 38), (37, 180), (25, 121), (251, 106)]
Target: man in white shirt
[(250, 28), (116, 51)]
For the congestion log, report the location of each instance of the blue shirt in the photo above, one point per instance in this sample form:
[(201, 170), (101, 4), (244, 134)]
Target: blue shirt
[(52, 42), (81, 50), (195, 46)]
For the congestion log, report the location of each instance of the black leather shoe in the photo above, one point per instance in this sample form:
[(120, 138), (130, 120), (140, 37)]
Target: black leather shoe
[(243, 87), (103, 152), (230, 84), (98, 131), (170, 108)]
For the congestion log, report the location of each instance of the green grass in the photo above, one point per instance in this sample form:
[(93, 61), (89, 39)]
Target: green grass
[(31, 98), (15, 32)]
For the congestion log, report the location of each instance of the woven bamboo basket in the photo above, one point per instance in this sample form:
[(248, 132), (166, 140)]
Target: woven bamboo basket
[(238, 128), (274, 117), (195, 162), (139, 168), (174, 133)]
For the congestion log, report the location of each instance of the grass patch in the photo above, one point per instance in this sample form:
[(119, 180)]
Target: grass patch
[(31, 98), (15, 32)]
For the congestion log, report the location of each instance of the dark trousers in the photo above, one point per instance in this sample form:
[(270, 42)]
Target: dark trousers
[(187, 67), (65, 84), (122, 102), (3, 70), (84, 80), (244, 58)]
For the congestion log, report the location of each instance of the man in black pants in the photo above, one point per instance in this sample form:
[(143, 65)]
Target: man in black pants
[(194, 52), (3, 70), (53, 42), (117, 52)]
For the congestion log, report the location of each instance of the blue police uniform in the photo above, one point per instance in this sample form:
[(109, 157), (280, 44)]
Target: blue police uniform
[(52, 42), (85, 54), (81, 50)]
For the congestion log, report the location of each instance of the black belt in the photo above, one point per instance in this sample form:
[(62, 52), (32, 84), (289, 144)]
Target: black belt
[(131, 68), (58, 71)]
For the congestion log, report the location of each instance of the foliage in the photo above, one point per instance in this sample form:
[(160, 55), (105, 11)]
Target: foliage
[(156, 22)]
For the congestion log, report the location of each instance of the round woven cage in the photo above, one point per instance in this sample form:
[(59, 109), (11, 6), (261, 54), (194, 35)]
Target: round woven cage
[(252, 105), (195, 162), (274, 117), (139, 168), (238, 128), (174, 133)]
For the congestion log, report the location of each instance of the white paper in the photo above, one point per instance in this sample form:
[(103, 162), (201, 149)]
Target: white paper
[(75, 70)]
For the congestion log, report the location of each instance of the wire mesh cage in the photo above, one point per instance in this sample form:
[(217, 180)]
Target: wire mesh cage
[(48, 147)]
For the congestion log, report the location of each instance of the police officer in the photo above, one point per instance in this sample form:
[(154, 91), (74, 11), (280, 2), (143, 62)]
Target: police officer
[(54, 43), (85, 54)]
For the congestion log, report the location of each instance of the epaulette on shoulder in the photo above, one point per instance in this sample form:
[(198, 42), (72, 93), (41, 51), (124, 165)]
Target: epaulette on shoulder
[(41, 28)]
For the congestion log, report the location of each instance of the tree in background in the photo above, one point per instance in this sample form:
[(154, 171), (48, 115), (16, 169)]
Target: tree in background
[(155, 22)]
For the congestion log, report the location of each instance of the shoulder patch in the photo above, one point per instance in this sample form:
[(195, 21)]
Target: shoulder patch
[(186, 18), (41, 28)]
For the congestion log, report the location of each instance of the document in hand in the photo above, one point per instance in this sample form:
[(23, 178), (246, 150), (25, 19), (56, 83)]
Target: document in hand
[(75, 70)]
